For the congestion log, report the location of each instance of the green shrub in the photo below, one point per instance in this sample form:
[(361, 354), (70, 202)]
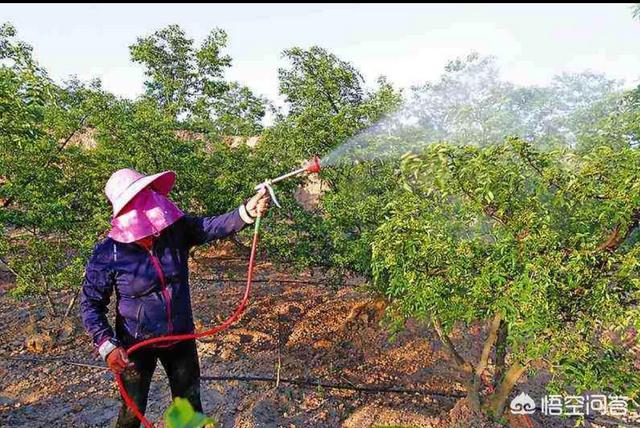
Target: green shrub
[(539, 245)]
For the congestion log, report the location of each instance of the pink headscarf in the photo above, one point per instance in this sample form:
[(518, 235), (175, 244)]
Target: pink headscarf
[(148, 213)]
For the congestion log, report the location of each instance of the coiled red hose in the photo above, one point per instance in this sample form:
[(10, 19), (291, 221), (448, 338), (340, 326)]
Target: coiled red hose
[(180, 337)]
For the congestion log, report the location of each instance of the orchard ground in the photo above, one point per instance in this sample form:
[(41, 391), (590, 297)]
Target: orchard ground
[(316, 330)]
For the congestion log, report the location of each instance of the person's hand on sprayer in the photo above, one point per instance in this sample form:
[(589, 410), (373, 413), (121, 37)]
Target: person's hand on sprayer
[(258, 205)]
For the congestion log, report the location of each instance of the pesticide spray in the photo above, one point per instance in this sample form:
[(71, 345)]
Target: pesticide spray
[(471, 105)]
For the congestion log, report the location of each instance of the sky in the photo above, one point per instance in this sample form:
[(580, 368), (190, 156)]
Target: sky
[(408, 43)]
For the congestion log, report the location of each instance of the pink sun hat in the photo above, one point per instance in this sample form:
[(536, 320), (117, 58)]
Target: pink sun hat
[(126, 183), (140, 205)]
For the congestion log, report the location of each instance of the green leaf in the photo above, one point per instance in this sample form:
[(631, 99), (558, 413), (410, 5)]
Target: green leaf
[(181, 415), (489, 196)]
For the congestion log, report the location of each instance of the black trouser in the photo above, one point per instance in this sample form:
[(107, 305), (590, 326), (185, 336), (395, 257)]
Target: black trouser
[(183, 370)]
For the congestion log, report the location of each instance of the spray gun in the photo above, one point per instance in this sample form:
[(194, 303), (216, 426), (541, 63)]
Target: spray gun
[(312, 166)]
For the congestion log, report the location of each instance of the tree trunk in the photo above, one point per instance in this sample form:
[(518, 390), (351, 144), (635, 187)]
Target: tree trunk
[(496, 403), (501, 353), (488, 345)]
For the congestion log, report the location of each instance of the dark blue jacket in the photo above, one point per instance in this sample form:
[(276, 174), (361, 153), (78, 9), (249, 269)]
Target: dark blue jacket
[(152, 287)]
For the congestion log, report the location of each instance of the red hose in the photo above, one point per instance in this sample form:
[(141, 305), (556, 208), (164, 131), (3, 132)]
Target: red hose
[(527, 419), (180, 337)]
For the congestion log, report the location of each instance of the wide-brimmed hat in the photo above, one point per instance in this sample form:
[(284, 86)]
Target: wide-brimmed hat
[(125, 184)]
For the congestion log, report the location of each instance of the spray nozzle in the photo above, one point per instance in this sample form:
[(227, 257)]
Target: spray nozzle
[(313, 165)]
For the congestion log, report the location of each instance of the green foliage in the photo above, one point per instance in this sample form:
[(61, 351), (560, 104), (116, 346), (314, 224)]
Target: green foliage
[(43, 206), (319, 81), (181, 415), (546, 239), (181, 77), (238, 112), (188, 82), (353, 212), (618, 127)]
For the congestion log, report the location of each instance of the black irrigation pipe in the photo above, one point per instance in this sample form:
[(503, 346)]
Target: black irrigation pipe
[(316, 383), (61, 359), (284, 281), (271, 379)]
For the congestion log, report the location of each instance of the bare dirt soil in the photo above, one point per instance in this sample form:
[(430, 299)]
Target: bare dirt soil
[(297, 323)]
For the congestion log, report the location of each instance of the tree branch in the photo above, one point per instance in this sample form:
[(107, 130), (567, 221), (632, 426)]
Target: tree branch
[(529, 161), (489, 210), (66, 141), (616, 238), (71, 304), (451, 350), (324, 90), (488, 344)]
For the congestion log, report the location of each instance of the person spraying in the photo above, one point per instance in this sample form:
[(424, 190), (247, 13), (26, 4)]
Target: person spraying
[(144, 260)]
